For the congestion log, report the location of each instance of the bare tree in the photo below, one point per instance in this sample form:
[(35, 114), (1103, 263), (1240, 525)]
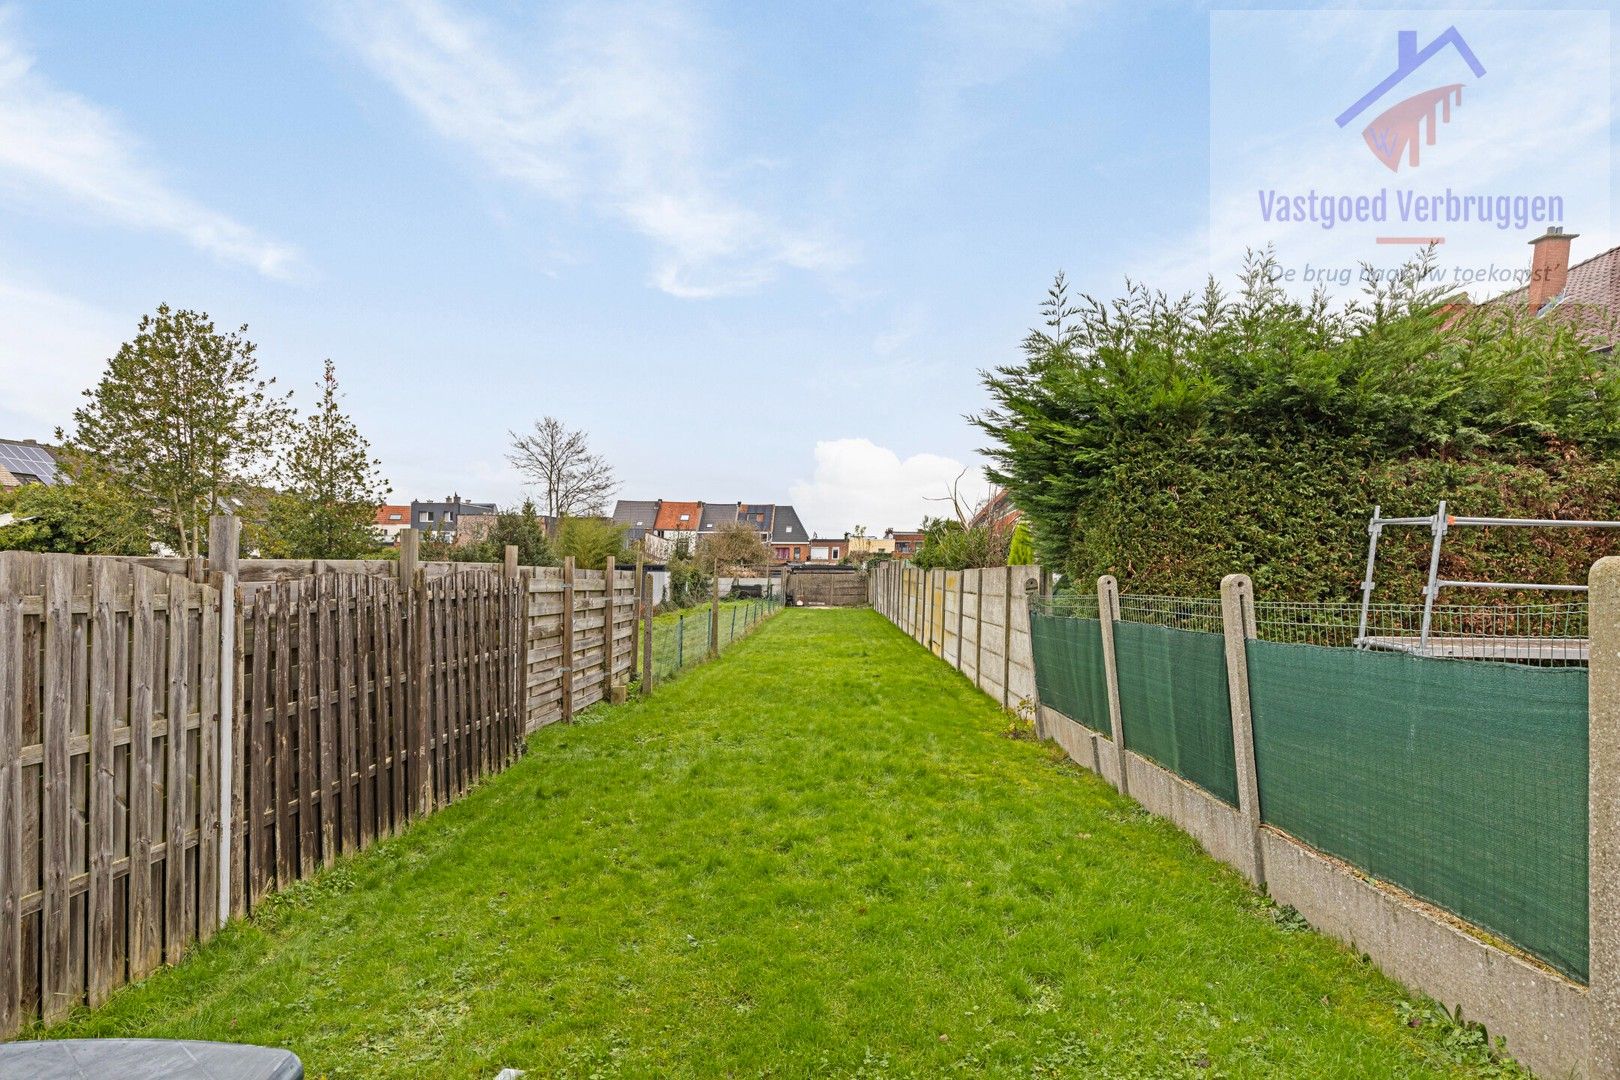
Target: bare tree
[(573, 480)]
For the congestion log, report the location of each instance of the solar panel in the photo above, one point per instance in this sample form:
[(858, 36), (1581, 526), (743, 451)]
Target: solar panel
[(28, 460)]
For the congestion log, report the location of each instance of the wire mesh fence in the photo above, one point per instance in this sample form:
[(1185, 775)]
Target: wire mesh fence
[(1176, 612), (1552, 634), (683, 638), (1543, 635), (1067, 605)]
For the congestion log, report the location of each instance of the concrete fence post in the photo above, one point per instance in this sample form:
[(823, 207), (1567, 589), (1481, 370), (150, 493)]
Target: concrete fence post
[(1603, 813), (1237, 620), (1107, 616), (1006, 637)]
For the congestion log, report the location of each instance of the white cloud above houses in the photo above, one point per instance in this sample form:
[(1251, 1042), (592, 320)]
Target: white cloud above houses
[(857, 482)]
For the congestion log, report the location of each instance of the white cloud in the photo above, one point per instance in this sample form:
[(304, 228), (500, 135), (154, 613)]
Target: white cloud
[(53, 347), (857, 482), (56, 146), (607, 109)]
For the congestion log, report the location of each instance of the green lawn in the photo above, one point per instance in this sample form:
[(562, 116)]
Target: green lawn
[(824, 854)]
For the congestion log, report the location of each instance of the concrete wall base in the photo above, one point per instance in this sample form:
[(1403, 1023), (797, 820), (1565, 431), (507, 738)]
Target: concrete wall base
[(1543, 1017)]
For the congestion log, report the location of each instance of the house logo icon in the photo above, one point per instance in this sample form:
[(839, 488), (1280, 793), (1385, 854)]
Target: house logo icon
[(1400, 130)]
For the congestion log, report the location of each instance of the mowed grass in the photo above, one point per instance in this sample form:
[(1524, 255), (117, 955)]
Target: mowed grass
[(820, 855)]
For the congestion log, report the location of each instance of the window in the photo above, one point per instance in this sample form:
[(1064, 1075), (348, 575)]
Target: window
[(395, 517), (835, 553), (425, 515), (787, 528), (686, 517)]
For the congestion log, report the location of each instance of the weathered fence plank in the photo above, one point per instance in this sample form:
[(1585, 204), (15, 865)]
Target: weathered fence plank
[(357, 700)]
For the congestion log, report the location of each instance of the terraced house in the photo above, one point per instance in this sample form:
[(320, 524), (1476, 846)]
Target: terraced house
[(778, 524)]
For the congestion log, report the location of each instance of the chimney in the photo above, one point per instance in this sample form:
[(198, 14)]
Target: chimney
[(1549, 265)]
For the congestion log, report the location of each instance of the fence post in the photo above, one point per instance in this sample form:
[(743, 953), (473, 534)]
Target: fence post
[(224, 540), (1108, 615), (714, 613), (1603, 811), (414, 602), (610, 570), (635, 621), (646, 634), (1006, 638), (1237, 620), (410, 546), (566, 668), (520, 645)]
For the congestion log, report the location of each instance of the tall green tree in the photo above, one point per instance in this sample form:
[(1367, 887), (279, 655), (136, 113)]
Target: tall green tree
[(590, 541), (84, 517), (1171, 440), (331, 486), (181, 423)]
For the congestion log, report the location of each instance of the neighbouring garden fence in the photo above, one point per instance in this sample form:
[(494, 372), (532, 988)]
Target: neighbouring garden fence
[(681, 639), (180, 738), (1437, 812), (976, 620)]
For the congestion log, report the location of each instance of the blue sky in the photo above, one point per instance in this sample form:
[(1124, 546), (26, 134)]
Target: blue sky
[(760, 251)]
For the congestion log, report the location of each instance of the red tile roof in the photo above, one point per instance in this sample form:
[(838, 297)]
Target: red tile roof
[(669, 515), (385, 515), (1590, 300)]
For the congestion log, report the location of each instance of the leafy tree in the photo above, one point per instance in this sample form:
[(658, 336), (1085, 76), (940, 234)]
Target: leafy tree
[(1020, 551), (181, 423), (521, 527), (85, 517), (332, 487), (590, 541), (735, 543), (574, 481), (950, 544), (691, 580)]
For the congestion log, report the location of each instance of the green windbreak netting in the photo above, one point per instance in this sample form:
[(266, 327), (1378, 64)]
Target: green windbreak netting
[(1463, 782), (1173, 703), (1069, 673)]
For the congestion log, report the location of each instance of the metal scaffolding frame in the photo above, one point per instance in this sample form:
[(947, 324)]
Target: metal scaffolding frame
[(1439, 524)]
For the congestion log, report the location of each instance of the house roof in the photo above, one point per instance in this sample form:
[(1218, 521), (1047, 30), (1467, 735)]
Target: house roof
[(1590, 300), (761, 515), (670, 515), (25, 459), (787, 528), (716, 515), (636, 513), (385, 515)]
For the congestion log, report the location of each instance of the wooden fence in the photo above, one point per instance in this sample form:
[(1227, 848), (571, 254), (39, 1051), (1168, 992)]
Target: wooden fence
[(160, 729), (977, 620)]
